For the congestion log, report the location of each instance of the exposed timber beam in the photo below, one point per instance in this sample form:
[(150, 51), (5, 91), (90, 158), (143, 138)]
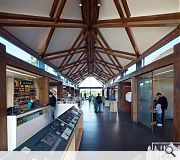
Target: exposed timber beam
[(137, 24), (73, 48), (154, 18), (72, 70), (82, 40), (59, 55), (107, 45), (23, 23), (117, 55), (120, 52), (100, 43), (128, 30), (58, 14), (39, 19)]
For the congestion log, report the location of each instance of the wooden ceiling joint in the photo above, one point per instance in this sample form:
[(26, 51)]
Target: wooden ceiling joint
[(58, 14)]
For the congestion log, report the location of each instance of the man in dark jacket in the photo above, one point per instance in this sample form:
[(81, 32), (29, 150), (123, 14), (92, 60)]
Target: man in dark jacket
[(98, 103), (52, 103), (164, 104)]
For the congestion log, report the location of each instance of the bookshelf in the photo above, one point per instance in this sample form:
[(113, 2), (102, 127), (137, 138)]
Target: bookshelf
[(23, 90)]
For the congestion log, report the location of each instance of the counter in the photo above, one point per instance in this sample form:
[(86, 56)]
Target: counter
[(20, 127), (63, 107), (63, 134), (107, 103), (113, 106)]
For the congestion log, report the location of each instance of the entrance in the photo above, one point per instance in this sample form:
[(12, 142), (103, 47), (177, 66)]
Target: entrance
[(89, 92), (149, 85), (163, 80)]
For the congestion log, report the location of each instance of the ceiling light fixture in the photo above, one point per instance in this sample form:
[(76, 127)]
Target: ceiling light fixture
[(80, 4), (12, 71), (98, 3)]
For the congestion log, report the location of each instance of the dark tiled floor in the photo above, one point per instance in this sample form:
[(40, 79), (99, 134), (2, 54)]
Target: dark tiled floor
[(115, 132)]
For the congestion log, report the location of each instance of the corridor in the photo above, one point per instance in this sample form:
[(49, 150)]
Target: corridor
[(115, 132)]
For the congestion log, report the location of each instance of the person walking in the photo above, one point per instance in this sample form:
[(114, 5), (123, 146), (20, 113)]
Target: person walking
[(98, 103), (162, 100), (52, 103)]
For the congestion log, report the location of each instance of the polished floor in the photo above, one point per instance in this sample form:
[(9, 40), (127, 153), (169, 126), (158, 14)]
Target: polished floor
[(115, 132)]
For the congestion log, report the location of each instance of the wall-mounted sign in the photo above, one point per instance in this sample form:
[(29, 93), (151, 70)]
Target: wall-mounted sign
[(25, 82)]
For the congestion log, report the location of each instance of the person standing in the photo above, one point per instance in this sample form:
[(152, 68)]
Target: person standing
[(98, 103), (158, 110), (164, 104), (52, 103)]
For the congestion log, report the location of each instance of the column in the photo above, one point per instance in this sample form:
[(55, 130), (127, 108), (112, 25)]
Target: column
[(72, 91), (43, 90), (134, 104), (176, 95), (103, 92), (120, 96), (68, 89), (60, 90), (3, 99), (108, 95)]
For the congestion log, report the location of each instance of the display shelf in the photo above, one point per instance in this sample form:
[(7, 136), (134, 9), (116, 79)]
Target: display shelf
[(23, 91)]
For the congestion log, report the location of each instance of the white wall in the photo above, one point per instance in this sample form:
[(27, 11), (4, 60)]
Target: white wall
[(165, 86)]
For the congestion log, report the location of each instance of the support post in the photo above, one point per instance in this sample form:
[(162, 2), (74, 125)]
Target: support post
[(3, 99), (176, 121)]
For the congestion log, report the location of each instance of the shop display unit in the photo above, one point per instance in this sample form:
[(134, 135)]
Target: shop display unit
[(63, 134), (23, 90)]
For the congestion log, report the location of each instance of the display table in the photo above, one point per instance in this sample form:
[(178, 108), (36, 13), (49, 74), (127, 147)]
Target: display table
[(63, 134), (20, 127), (113, 106), (63, 107)]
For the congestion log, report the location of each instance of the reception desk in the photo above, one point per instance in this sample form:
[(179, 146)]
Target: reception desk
[(20, 127), (113, 106)]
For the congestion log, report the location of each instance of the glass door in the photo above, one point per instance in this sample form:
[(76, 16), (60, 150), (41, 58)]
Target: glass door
[(145, 99)]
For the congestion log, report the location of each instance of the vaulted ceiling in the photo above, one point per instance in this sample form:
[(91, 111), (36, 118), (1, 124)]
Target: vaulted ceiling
[(89, 37)]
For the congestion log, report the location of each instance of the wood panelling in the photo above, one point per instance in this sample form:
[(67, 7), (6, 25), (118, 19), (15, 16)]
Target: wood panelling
[(123, 88), (3, 108), (68, 89), (176, 95), (43, 83), (134, 103), (72, 91), (60, 90)]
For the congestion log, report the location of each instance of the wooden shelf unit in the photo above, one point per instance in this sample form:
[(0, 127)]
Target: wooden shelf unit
[(23, 90)]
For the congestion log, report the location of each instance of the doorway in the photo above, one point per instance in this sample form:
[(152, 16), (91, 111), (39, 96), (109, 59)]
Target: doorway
[(163, 82)]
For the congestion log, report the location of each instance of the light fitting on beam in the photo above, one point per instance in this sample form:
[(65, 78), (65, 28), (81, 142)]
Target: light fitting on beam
[(98, 4), (80, 3)]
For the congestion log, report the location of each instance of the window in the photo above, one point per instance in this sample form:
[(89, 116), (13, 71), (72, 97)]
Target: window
[(90, 82), (131, 69), (161, 52), (50, 70), (19, 53)]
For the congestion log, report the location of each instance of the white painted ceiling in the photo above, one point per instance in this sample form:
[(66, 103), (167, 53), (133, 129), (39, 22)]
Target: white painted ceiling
[(63, 38)]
